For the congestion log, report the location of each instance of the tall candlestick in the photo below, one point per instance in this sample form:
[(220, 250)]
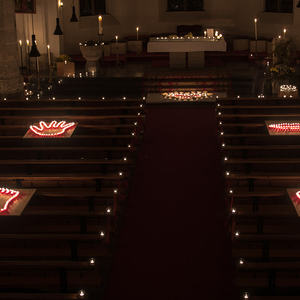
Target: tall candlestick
[(49, 56), (205, 33), (255, 28), (284, 32), (137, 33), (27, 52), (21, 54), (100, 25), (117, 39)]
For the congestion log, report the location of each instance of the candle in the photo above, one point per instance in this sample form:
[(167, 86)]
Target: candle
[(284, 32), (21, 53), (205, 33), (100, 25), (117, 39), (137, 33), (255, 28), (49, 56)]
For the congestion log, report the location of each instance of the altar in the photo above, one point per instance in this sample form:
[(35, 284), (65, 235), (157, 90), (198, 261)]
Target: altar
[(185, 51)]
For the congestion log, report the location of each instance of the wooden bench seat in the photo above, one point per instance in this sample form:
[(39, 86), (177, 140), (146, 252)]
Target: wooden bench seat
[(45, 264), (63, 177), (80, 211), (260, 106), (273, 265), (53, 237), (66, 162), (75, 192), (39, 296), (261, 176), (69, 117), (261, 147), (263, 210), (74, 137), (232, 161), (259, 192), (268, 237), (48, 250), (21, 108), (282, 116), (288, 297)]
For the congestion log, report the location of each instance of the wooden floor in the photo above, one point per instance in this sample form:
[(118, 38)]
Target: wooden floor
[(258, 169), (62, 242)]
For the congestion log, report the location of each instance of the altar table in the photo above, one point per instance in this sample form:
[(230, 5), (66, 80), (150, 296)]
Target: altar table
[(186, 49)]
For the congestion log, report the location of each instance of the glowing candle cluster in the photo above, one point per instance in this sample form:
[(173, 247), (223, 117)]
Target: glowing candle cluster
[(52, 129), (288, 88), (187, 96), (285, 127), (9, 196)]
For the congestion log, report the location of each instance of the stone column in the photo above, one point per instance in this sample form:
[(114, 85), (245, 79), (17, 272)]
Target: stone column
[(11, 81)]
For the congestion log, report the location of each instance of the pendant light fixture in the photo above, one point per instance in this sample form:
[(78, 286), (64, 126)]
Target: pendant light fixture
[(34, 52), (58, 30), (74, 17)]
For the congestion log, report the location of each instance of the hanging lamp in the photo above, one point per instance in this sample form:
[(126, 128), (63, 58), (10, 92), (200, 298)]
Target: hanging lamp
[(74, 17), (58, 30), (34, 52)]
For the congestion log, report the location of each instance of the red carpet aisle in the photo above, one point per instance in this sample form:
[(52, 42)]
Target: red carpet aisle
[(172, 244)]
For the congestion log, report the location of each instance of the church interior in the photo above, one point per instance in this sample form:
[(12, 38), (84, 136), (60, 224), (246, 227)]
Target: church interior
[(149, 149)]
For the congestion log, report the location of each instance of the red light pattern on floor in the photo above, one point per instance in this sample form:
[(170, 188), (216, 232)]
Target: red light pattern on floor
[(9, 196), (52, 129)]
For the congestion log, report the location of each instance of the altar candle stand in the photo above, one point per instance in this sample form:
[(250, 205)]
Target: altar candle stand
[(28, 57), (284, 33), (255, 31), (49, 56), (21, 54), (117, 49), (137, 33)]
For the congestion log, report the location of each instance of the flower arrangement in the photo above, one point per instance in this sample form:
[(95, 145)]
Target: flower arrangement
[(283, 73)]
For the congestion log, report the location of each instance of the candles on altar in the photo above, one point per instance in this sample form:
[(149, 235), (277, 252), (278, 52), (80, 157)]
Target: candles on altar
[(100, 32), (255, 28), (205, 33), (49, 56), (117, 39), (284, 32), (21, 53), (137, 33)]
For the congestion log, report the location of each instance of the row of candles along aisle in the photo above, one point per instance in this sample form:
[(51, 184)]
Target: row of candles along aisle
[(281, 127)]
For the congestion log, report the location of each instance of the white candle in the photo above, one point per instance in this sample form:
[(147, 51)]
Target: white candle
[(255, 28), (100, 25), (205, 33), (284, 32), (117, 39), (137, 33), (21, 53), (49, 55)]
